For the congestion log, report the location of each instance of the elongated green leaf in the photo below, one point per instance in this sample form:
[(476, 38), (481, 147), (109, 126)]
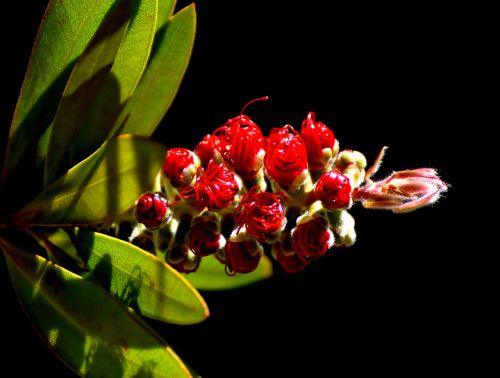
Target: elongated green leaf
[(211, 275), (54, 253), (66, 29), (83, 84), (101, 187), (162, 78), (140, 280), (61, 240), (88, 329), (121, 82), (165, 10)]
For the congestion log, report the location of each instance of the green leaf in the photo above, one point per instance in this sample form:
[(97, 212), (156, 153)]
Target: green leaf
[(162, 78), (140, 280), (55, 254), (62, 239), (100, 188), (83, 84), (121, 82), (65, 31), (165, 10), (89, 330), (211, 275)]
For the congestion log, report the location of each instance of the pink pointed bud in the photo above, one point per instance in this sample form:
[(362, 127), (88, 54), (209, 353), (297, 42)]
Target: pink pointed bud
[(402, 191)]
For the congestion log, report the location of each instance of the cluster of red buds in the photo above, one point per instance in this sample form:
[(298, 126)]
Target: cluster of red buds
[(239, 190)]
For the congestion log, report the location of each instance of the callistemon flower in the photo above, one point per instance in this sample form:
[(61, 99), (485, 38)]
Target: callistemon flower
[(312, 237), (261, 213), (214, 187), (242, 253), (319, 141), (286, 157), (333, 189), (151, 209), (289, 260), (204, 236), (207, 149), (179, 167), (241, 144), (402, 191), (312, 186)]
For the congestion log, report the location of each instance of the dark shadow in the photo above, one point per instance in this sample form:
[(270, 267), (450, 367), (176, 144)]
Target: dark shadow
[(113, 186), (135, 9), (75, 108), (146, 371), (85, 179), (45, 290), (104, 112), (60, 257), (159, 37), (132, 288), (43, 320), (92, 141), (99, 120), (24, 157), (100, 357), (146, 160), (83, 242), (102, 273)]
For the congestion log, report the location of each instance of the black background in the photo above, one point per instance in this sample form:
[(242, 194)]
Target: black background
[(393, 303)]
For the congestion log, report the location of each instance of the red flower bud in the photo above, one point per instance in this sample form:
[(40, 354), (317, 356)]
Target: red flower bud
[(286, 156), (242, 256), (214, 187), (317, 138), (402, 191), (290, 261), (182, 259), (333, 189), (151, 209), (204, 236), (312, 236), (144, 240), (241, 144), (179, 167), (261, 213), (207, 149)]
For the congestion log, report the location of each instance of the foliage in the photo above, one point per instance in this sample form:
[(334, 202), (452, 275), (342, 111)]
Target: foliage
[(100, 78)]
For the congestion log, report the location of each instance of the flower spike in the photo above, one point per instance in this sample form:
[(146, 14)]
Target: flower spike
[(222, 206)]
